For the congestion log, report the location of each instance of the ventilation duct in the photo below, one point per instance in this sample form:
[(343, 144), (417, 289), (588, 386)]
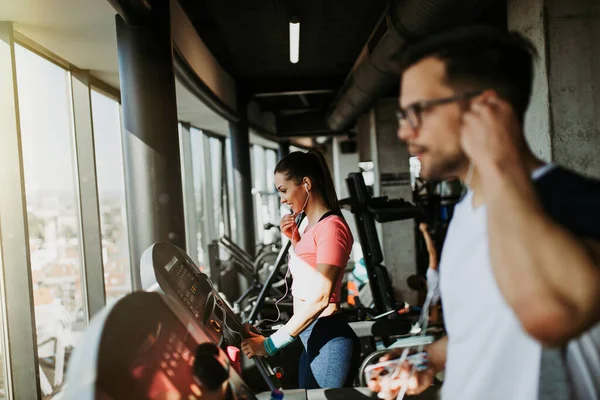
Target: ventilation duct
[(403, 21)]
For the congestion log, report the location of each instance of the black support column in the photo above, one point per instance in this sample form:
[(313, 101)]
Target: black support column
[(242, 178), (150, 139)]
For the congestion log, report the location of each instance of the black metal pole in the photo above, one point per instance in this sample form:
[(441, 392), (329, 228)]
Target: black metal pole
[(242, 178), (150, 139)]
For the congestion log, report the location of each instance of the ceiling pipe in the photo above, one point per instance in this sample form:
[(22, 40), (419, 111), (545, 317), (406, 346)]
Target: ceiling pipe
[(374, 73)]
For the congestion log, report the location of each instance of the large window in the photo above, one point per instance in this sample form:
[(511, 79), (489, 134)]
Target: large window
[(53, 223), (111, 196)]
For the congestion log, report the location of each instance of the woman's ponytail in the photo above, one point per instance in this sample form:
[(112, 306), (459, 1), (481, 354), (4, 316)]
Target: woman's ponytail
[(328, 187)]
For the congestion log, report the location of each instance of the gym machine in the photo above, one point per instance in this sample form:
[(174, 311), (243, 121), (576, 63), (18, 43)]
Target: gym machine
[(367, 210), (254, 270)]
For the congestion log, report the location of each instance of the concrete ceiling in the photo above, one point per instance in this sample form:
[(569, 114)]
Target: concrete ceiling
[(250, 39), (83, 33)]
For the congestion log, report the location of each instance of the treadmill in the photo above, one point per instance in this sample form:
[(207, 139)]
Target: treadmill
[(168, 269)]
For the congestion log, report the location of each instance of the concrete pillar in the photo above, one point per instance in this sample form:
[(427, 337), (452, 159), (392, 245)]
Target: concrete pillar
[(562, 124), (392, 178), (393, 170), (153, 183), (242, 179), (342, 165)]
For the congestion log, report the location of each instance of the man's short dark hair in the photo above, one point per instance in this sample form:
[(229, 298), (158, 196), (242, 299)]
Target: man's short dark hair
[(481, 57)]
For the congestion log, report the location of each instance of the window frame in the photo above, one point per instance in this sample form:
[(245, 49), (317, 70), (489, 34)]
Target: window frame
[(20, 357)]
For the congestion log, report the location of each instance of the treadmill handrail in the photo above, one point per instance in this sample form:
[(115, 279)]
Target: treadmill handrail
[(235, 250)]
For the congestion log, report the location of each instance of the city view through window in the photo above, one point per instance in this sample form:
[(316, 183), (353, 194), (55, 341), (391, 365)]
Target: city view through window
[(54, 232), (106, 116), (52, 211)]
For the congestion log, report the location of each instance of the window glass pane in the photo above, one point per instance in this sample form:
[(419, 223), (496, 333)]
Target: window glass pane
[(232, 216), (225, 189), (270, 162), (273, 196), (197, 167), (216, 164), (54, 232), (260, 186), (257, 231), (111, 196)]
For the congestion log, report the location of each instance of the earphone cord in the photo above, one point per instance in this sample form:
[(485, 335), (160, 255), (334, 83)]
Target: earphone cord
[(288, 266), (217, 304), (278, 301), (295, 229)]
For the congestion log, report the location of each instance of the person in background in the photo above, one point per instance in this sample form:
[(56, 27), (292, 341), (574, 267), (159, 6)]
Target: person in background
[(433, 277), (430, 282)]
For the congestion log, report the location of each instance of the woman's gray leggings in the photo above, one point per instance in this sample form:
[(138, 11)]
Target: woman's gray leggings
[(331, 354)]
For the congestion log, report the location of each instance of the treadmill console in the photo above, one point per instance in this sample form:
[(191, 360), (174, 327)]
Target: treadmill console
[(170, 268), (145, 347)]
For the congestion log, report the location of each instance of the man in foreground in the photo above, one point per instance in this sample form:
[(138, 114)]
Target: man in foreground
[(520, 270)]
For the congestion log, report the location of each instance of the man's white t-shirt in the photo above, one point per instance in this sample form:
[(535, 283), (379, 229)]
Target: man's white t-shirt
[(489, 354)]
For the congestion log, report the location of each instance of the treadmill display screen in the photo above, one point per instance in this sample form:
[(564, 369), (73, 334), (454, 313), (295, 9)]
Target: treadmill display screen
[(186, 286)]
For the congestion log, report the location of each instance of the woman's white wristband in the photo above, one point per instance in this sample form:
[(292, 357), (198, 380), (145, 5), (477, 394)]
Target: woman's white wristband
[(278, 341)]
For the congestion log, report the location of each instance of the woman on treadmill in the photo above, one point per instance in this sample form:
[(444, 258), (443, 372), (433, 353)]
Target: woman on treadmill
[(318, 259)]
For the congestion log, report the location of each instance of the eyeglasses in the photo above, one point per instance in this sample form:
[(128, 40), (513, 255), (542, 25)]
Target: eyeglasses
[(412, 113)]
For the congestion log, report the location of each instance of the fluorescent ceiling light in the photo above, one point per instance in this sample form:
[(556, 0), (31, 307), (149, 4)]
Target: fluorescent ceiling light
[(294, 40)]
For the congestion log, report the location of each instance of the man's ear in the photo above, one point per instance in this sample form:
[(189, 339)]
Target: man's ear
[(488, 96)]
